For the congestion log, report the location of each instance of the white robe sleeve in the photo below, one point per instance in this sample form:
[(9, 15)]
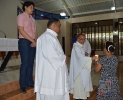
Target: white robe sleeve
[(79, 53), (88, 64), (55, 58), (88, 48)]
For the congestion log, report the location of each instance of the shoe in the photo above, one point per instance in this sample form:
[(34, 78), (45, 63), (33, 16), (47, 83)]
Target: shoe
[(23, 90)]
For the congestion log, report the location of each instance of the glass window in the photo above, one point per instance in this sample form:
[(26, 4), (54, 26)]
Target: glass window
[(98, 32)]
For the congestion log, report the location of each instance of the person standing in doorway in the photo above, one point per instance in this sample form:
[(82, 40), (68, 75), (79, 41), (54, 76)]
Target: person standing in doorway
[(26, 45)]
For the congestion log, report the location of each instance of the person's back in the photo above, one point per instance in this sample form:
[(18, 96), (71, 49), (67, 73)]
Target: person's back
[(109, 67)]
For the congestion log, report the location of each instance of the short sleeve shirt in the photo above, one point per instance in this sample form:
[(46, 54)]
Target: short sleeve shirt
[(28, 23)]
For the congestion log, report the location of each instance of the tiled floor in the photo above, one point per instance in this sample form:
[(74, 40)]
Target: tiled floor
[(10, 74), (13, 74)]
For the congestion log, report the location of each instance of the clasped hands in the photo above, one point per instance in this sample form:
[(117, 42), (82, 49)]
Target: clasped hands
[(33, 44)]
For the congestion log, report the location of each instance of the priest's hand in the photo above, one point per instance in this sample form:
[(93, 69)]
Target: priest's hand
[(86, 54)]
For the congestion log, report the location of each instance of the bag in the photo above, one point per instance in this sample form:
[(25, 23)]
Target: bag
[(104, 87)]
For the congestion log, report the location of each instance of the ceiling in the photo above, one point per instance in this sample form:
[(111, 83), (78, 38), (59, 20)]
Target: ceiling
[(75, 8)]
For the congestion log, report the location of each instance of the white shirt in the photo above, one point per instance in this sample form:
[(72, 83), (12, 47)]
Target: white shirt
[(87, 47), (51, 75)]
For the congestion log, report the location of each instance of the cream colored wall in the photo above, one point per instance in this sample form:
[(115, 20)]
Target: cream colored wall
[(63, 30), (98, 17), (8, 14), (41, 26), (68, 38)]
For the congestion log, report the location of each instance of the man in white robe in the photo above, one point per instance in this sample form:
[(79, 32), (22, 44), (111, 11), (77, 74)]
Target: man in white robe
[(86, 46), (80, 68), (51, 75)]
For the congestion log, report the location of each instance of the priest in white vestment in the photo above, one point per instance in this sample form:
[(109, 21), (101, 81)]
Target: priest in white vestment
[(80, 69), (86, 46), (51, 75)]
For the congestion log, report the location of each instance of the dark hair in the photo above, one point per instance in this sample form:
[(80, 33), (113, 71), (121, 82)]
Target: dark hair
[(109, 46), (51, 21), (27, 3), (79, 35)]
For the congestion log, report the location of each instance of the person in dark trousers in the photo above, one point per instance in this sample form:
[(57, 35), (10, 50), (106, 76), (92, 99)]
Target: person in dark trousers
[(26, 45)]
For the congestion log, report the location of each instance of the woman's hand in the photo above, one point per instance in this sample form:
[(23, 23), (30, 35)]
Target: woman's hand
[(95, 58)]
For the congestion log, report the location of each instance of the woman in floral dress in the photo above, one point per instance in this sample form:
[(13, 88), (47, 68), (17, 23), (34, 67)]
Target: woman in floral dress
[(108, 88)]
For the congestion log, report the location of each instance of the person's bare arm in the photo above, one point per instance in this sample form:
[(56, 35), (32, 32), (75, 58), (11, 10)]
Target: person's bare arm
[(97, 66), (36, 35)]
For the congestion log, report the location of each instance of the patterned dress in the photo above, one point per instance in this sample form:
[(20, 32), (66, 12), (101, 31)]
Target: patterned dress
[(108, 74)]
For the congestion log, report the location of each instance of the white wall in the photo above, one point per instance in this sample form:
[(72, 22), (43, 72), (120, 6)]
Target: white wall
[(41, 26), (8, 14)]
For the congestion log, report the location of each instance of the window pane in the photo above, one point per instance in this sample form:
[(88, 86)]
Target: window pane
[(111, 33), (100, 39), (104, 34), (107, 33), (92, 38), (96, 38)]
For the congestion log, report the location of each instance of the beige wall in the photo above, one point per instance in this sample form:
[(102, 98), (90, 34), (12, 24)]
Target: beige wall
[(41, 26), (68, 38), (8, 14), (98, 17)]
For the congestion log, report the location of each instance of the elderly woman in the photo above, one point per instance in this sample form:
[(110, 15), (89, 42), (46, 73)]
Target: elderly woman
[(108, 88)]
